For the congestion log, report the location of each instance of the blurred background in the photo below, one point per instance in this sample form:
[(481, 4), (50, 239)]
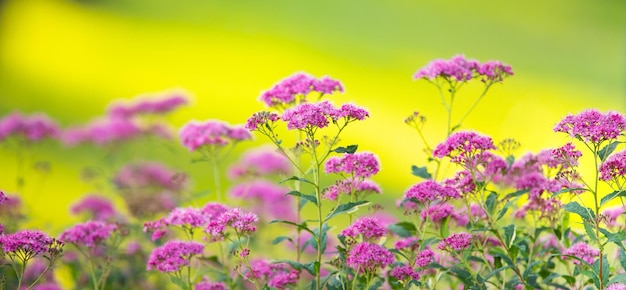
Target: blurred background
[(70, 59)]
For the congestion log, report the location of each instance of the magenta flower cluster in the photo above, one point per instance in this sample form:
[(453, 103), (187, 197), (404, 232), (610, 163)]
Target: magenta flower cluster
[(592, 126), (261, 162), (405, 272), (614, 166), (350, 186), (462, 146), (32, 128), (369, 258), (147, 175), (582, 251), (456, 242), (98, 207), (261, 118), (89, 234), (206, 284), (369, 228), (243, 223), (174, 255), (26, 243), (429, 191), (146, 106), (319, 115), (105, 131), (195, 134), (461, 69), (361, 164), (300, 85), (269, 199)]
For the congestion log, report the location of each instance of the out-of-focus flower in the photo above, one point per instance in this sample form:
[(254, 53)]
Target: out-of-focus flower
[(146, 106), (196, 134), (582, 251), (260, 162), (90, 234), (32, 128), (98, 207), (294, 89), (173, 256)]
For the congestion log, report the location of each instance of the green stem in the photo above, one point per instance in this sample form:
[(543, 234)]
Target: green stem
[(216, 179), (320, 222), (487, 86)]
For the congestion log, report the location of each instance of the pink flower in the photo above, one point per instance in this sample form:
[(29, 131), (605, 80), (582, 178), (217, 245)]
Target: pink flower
[(261, 119), (567, 156), (3, 197), (369, 258), (310, 115), (28, 243), (98, 207), (206, 284), (456, 242), (211, 133), (89, 234), (186, 218), (103, 132), (462, 182), (268, 198), (32, 128), (424, 258), (611, 214), (242, 223), (404, 273), (410, 243), (146, 106), (461, 69), (299, 85), (429, 191), (349, 186), (361, 164), (614, 166), (616, 286), (261, 161), (281, 280), (463, 146), (582, 251), (367, 227), (174, 255), (592, 126), (142, 175)]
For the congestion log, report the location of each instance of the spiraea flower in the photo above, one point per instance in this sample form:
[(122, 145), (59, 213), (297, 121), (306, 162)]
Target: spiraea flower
[(206, 284), (614, 166), (32, 128), (98, 207), (369, 258), (361, 164), (566, 156), (146, 106), (26, 243), (3, 197), (261, 162), (460, 69), (368, 228), (356, 187), (404, 272), (240, 222), (582, 251), (409, 244), (592, 126), (186, 218), (456, 242), (424, 258), (173, 256), (105, 131), (260, 120), (196, 134), (294, 89), (266, 198), (429, 191), (90, 234), (462, 147), (308, 116)]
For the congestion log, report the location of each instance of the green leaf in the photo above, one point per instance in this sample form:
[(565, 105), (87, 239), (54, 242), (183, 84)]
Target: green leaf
[(612, 196), (616, 238), (308, 197), (300, 226), (509, 235), (575, 207), (350, 149), (491, 202), (346, 208), (622, 258), (496, 271), (590, 232), (565, 190), (516, 194), (178, 282), (421, 172), (463, 275), (619, 278), (280, 239), (443, 229), (606, 151), (504, 210), (309, 267), (295, 178), (403, 229)]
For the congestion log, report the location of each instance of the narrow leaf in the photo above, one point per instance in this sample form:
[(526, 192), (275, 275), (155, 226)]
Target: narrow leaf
[(280, 239), (611, 196), (350, 149), (516, 194), (607, 150), (421, 172), (575, 207), (300, 226), (509, 235), (308, 197), (295, 178), (491, 202), (590, 232), (403, 229), (346, 208)]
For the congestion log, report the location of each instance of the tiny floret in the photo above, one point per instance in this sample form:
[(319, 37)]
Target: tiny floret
[(174, 255)]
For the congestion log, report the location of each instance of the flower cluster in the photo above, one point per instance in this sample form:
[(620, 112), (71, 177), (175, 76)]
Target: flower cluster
[(90, 234), (369, 258), (174, 255), (429, 191), (592, 126), (107, 131), (463, 146), (260, 162), (269, 199), (32, 128), (461, 69), (405, 272), (369, 228), (261, 118), (614, 166), (277, 275), (146, 106), (196, 134), (26, 243), (456, 242), (3, 197), (357, 188), (319, 115), (206, 284), (361, 164), (299, 85), (98, 207), (582, 251), (241, 222)]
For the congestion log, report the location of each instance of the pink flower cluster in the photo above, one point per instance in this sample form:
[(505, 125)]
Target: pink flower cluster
[(429, 191), (206, 284), (98, 207), (147, 175), (186, 218), (243, 223), (424, 258), (361, 164), (367, 227), (261, 118), (269, 199), (319, 115), (456, 242), (348, 186), (211, 133), (438, 212), (463, 146), (174, 255), (146, 106), (277, 275), (614, 166), (261, 162), (409, 244), (298, 85), (461, 69), (369, 258), (582, 251), (405, 273), (89, 234), (616, 286), (566, 156), (3, 197), (26, 243), (32, 128), (592, 126), (109, 130)]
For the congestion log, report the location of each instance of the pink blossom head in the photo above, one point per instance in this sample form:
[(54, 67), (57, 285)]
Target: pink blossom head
[(146, 106), (90, 234), (173, 256), (98, 207), (196, 134), (593, 126), (32, 128), (369, 258), (424, 258), (409, 244), (267, 198), (463, 146), (148, 176), (103, 132), (456, 242), (295, 88), (369, 228), (438, 212), (614, 167), (404, 272), (567, 156), (186, 218), (457, 68), (583, 252), (27, 243), (261, 121), (242, 223), (616, 286), (206, 284), (361, 164), (429, 191), (261, 162), (494, 71), (462, 182)]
